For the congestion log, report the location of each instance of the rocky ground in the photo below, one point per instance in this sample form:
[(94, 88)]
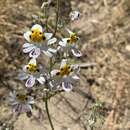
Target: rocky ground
[(104, 29)]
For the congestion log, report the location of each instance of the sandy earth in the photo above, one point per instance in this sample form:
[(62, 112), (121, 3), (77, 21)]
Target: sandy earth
[(104, 28)]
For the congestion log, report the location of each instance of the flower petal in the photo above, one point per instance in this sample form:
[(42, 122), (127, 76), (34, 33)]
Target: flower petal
[(65, 40), (30, 82), (75, 77), (28, 49), (69, 31), (76, 68), (25, 68), (35, 53), (21, 108), (51, 41), (55, 83), (33, 61), (27, 45), (41, 80), (31, 100), (52, 50), (67, 86), (23, 76), (63, 63), (47, 53), (37, 27), (12, 96), (76, 53), (54, 72), (27, 35), (28, 108), (63, 43), (59, 48), (48, 35)]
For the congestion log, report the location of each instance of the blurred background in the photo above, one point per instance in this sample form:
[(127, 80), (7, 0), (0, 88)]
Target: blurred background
[(102, 99)]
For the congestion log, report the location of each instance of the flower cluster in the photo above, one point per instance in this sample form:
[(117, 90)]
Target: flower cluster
[(51, 67), (52, 77), (38, 41)]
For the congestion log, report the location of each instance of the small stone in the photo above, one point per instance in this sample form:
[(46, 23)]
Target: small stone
[(127, 47)]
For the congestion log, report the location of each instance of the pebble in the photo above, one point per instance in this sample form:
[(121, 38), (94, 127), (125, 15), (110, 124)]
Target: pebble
[(127, 47)]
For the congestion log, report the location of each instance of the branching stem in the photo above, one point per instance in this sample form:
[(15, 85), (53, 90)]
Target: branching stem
[(57, 17), (47, 110)]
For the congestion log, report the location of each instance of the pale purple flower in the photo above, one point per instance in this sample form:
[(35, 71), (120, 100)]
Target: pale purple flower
[(38, 41), (21, 103), (31, 72), (70, 44), (66, 76)]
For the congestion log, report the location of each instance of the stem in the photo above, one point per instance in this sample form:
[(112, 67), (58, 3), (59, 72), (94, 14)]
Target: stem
[(48, 114), (57, 17), (57, 92), (46, 17), (51, 64)]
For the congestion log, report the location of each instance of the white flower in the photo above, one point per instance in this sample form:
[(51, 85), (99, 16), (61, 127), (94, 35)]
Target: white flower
[(38, 42), (70, 44), (66, 76), (21, 102), (31, 72), (74, 15), (44, 4)]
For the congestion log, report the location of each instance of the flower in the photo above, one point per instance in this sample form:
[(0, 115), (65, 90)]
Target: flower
[(31, 72), (74, 15), (44, 4), (21, 102), (70, 44), (38, 42), (66, 76)]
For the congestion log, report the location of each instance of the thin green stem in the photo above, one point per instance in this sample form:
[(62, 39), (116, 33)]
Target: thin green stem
[(57, 16), (48, 114)]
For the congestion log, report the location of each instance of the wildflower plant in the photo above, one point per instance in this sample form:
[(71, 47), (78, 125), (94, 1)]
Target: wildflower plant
[(60, 74), (96, 117)]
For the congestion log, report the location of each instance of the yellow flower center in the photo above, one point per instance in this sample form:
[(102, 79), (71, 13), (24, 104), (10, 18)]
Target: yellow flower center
[(32, 68), (37, 36), (22, 98), (66, 70), (73, 38)]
